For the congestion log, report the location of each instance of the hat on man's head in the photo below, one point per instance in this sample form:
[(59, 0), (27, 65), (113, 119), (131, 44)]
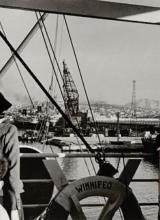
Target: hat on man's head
[(4, 104)]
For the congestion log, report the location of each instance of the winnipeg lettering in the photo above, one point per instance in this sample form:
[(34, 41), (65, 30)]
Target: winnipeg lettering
[(94, 185)]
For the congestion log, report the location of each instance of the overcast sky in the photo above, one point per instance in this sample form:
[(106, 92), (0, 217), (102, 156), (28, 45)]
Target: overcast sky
[(111, 55)]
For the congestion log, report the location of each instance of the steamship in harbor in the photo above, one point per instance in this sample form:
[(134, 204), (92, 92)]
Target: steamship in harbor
[(25, 122)]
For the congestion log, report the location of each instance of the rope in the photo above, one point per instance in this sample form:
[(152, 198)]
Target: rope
[(19, 71), (52, 49), (45, 92), (85, 93), (48, 53), (56, 60), (64, 84), (52, 63), (42, 126), (61, 38), (69, 34), (56, 34), (55, 47)]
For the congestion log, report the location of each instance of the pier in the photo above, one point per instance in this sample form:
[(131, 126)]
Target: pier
[(136, 124)]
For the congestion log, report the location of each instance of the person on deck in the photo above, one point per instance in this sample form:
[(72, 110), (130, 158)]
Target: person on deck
[(10, 151)]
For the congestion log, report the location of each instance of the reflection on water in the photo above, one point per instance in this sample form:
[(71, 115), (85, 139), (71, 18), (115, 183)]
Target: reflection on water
[(145, 191), (75, 168)]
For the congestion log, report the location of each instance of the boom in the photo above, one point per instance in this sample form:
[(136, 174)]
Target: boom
[(92, 8)]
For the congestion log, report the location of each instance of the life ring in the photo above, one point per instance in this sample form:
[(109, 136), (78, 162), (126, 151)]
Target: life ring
[(61, 206)]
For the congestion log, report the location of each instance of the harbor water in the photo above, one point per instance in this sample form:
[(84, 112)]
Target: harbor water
[(145, 192)]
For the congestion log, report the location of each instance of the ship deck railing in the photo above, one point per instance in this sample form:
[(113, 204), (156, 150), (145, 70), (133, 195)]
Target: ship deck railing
[(86, 155)]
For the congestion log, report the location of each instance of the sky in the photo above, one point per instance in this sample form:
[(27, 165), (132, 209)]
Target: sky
[(111, 55)]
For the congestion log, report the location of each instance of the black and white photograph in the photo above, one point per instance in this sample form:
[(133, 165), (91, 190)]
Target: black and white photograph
[(79, 110)]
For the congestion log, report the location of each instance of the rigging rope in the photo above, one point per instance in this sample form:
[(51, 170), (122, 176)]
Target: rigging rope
[(45, 91), (98, 155), (56, 61), (52, 50), (56, 34), (55, 48), (69, 34), (31, 73), (52, 62), (76, 120), (85, 160), (53, 55), (19, 71), (61, 40), (47, 94), (48, 53)]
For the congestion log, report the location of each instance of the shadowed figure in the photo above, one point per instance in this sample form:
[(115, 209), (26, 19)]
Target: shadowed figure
[(4, 104), (3, 171), (9, 158)]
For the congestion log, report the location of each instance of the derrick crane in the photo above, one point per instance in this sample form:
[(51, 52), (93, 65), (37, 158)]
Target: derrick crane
[(71, 104), (71, 96)]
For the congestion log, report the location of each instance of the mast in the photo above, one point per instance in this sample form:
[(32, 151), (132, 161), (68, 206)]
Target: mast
[(112, 10), (133, 104)]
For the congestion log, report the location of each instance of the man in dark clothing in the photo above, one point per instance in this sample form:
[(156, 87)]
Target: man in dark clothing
[(4, 104), (9, 149)]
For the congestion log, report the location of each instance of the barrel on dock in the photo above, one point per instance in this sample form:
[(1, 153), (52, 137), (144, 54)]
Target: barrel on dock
[(38, 185)]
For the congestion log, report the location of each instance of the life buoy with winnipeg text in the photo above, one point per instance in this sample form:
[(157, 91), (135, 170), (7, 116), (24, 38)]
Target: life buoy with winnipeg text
[(67, 200)]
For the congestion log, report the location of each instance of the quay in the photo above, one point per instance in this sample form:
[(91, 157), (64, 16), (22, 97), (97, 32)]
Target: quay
[(125, 124)]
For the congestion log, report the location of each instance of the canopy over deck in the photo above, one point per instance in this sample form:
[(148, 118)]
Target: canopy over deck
[(138, 11)]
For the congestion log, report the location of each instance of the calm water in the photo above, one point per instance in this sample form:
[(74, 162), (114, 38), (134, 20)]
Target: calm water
[(75, 168), (145, 192)]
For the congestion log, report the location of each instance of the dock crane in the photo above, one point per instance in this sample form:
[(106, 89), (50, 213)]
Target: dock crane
[(71, 96)]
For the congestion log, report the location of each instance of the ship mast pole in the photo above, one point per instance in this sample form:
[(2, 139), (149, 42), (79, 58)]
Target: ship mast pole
[(133, 104), (118, 129)]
